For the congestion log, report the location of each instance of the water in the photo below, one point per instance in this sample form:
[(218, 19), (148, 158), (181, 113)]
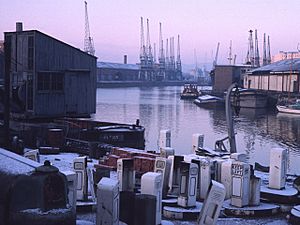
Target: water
[(161, 108)]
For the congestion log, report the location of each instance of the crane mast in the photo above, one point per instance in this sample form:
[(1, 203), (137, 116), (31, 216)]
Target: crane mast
[(216, 57), (88, 40), (230, 53), (265, 51), (256, 53)]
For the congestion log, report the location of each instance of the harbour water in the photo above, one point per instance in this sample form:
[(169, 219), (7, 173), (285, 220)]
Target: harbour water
[(160, 108)]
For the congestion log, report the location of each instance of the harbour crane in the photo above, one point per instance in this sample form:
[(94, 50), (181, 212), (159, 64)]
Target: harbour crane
[(88, 40), (230, 53), (216, 57)]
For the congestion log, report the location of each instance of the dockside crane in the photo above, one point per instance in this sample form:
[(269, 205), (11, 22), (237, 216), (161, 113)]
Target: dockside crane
[(216, 56), (264, 61), (88, 40), (269, 51), (148, 46), (230, 53), (256, 53), (142, 43), (161, 58), (250, 54), (178, 60)]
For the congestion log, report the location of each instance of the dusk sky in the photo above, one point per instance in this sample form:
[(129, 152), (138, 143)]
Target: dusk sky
[(115, 24)]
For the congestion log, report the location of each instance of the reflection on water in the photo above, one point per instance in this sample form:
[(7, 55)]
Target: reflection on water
[(161, 108)]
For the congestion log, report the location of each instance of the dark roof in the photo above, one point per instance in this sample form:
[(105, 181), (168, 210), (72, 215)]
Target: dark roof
[(235, 65), (109, 65), (282, 66), (29, 31)]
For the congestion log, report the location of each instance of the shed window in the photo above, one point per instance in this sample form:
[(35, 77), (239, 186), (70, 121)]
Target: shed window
[(50, 81), (43, 81), (57, 81)]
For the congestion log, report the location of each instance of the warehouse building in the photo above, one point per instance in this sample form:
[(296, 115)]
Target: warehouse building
[(224, 75), (280, 77), (107, 71), (1, 61), (49, 78)]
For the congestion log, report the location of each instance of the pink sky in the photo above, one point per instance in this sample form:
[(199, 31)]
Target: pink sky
[(115, 24)]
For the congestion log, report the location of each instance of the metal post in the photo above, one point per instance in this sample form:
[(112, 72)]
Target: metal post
[(231, 134), (7, 58)]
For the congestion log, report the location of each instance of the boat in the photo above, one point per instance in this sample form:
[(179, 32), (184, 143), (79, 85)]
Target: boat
[(209, 101), (249, 98), (190, 91), (290, 108)]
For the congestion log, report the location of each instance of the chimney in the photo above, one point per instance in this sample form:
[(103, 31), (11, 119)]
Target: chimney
[(19, 27), (125, 59)]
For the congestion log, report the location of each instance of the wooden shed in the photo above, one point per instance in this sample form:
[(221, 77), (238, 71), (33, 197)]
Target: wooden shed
[(50, 78)]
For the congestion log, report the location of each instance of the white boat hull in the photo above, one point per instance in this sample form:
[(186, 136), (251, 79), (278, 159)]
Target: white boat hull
[(285, 109)]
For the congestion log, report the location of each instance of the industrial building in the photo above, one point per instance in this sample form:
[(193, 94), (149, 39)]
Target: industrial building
[(1, 61), (107, 71), (48, 77), (1, 67), (224, 75), (281, 77)]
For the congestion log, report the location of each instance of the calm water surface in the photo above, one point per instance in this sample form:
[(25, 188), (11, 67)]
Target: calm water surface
[(161, 108)]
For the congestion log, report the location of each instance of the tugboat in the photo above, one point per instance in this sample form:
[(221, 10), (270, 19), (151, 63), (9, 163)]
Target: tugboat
[(190, 91)]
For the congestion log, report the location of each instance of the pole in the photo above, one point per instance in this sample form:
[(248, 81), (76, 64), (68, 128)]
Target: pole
[(231, 134), (7, 58)]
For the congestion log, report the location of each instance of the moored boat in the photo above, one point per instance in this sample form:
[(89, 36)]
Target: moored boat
[(190, 91), (291, 108), (209, 101), (250, 98)]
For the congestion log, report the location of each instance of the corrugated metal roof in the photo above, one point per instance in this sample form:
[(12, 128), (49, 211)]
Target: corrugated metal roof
[(109, 65), (285, 65)]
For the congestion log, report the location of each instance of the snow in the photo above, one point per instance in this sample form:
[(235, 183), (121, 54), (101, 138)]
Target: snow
[(15, 164), (178, 209), (38, 211), (288, 191), (263, 206)]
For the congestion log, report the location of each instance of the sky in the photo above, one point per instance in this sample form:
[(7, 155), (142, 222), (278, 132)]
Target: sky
[(115, 25)]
